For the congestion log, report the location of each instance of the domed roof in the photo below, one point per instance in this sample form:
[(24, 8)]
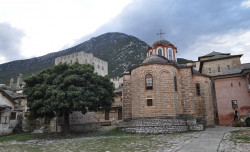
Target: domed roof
[(155, 59), (161, 41), (159, 59)]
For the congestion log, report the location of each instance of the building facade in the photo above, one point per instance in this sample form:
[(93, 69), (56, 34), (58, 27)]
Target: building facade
[(161, 89), (233, 91), (12, 109), (100, 66)]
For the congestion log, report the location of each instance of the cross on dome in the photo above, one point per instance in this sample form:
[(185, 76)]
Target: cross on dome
[(161, 33)]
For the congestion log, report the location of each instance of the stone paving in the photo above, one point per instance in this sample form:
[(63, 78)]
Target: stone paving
[(215, 139), (210, 140)]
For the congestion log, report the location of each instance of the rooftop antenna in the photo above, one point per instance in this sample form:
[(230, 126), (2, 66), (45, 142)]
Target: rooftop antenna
[(161, 33)]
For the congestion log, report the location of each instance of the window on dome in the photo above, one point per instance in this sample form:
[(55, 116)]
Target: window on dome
[(149, 82), (150, 52), (170, 54), (160, 52)]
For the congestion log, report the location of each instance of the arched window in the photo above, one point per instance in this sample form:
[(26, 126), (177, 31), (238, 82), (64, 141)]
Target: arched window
[(175, 84), (170, 54), (149, 82), (150, 52), (160, 51), (198, 90)]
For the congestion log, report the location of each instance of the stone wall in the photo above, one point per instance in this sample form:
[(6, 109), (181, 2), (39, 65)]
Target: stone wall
[(117, 82), (84, 127), (232, 62), (77, 118), (160, 125), (204, 105), (187, 91), (162, 95), (126, 98), (101, 67)]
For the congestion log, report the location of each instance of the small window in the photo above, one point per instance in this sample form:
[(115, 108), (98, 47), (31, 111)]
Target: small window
[(160, 52), (228, 66), (149, 82), (218, 69), (234, 104), (209, 70), (198, 91), (170, 54), (13, 116), (239, 84), (231, 84), (175, 84), (149, 102), (150, 52)]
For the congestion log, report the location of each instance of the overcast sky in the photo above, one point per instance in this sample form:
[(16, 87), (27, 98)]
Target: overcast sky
[(30, 28)]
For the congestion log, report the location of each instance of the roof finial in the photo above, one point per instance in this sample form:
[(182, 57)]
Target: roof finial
[(161, 33)]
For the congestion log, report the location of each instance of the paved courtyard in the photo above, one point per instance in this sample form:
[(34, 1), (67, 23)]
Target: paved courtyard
[(210, 140)]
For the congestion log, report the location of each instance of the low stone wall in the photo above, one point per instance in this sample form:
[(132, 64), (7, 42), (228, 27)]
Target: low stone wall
[(84, 127), (160, 125), (5, 129)]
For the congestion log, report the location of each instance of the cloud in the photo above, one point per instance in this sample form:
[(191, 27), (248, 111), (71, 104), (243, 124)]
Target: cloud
[(10, 42), (234, 43), (246, 3), (185, 23)]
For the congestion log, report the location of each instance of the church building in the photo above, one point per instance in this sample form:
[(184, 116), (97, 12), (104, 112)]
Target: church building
[(160, 95)]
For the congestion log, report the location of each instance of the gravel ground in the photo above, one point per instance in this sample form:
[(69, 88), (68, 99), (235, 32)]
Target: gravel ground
[(132, 142)]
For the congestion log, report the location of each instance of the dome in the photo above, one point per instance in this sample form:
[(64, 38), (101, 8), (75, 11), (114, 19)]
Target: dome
[(161, 41), (155, 59)]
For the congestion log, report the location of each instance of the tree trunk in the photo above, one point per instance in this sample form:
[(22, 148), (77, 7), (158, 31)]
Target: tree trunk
[(66, 122)]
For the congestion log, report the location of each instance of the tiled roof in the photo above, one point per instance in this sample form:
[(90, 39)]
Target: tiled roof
[(159, 59), (161, 41), (237, 69), (14, 95), (195, 71), (214, 53)]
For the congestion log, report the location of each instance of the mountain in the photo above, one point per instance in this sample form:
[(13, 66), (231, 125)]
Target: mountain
[(121, 51), (183, 61)]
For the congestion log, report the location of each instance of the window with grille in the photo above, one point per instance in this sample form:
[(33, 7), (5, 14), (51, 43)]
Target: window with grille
[(149, 82), (149, 102)]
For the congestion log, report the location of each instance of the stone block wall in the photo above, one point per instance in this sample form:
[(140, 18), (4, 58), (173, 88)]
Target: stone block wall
[(101, 67), (79, 118), (126, 94), (163, 95), (84, 127), (232, 62), (187, 91), (204, 104), (160, 125)]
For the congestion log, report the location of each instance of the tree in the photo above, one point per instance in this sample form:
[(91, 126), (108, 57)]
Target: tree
[(66, 88)]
